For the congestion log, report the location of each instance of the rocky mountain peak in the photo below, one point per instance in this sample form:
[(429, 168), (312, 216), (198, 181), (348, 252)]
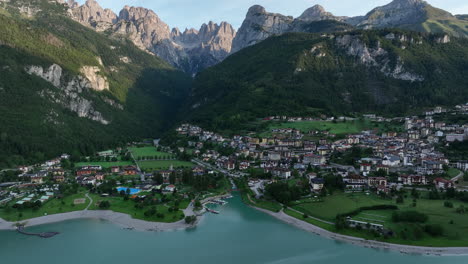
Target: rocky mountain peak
[(256, 10), (130, 13), (316, 13), (92, 14)]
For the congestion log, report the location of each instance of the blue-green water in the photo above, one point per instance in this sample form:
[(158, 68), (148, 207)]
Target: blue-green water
[(238, 235)]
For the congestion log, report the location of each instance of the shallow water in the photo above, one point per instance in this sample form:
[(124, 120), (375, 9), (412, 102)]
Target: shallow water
[(238, 235)]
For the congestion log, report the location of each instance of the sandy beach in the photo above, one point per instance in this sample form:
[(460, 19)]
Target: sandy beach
[(405, 249), (123, 220)]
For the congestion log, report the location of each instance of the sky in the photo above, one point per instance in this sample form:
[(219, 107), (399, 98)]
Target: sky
[(193, 13)]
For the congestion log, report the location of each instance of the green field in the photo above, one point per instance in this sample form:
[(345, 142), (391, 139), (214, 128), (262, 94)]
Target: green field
[(148, 152), (339, 128), (455, 225), (452, 172), (118, 204), (53, 206), (164, 164), (337, 204), (104, 164)]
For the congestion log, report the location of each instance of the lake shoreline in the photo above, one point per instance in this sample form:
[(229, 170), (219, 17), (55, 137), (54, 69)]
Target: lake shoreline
[(377, 245), (120, 219), (123, 220)]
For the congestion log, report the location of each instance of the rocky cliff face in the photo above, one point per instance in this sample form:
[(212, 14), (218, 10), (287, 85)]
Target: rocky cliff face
[(92, 14), (260, 24), (378, 57), (398, 12), (192, 51), (71, 93), (409, 14)]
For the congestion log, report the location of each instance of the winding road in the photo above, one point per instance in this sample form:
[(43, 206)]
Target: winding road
[(90, 202)]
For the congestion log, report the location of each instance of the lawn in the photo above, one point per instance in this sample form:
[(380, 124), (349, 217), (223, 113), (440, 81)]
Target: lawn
[(339, 203), (339, 127), (148, 152), (118, 204), (53, 206), (455, 234), (104, 164), (452, 172), (164, 164)]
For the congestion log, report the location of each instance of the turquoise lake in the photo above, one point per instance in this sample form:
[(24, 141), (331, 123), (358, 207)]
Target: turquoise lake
[(238, 235)]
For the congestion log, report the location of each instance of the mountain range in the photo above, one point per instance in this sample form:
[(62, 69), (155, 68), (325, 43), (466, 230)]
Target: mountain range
[(194, 50)]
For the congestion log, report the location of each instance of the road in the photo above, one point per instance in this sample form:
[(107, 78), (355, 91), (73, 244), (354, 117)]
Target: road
[(456, 178), (214, 168), (344, 167), (90, 202), (256, 187), (318, 219)]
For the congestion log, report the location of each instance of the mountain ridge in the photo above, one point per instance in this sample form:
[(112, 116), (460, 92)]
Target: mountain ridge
[(192, 52)]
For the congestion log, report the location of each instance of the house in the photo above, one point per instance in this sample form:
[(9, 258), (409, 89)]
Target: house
[(441, 183), (99, 177), (197, 171), (230, 165), (355, 182), (280, 172), (323, 150), (115, 169), (317, 184), (275, 156), (462, 165), (170, 188), (88, 170), (58, 172), (244, 165), (130, 170), (377, 181), (59, 178), (391, 160), (37, 179), (412, 180), (314, 159), (455, 137), (365, 168)]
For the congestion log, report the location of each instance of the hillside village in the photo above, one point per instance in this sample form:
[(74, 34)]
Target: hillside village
[(396, 159), (371, 160)]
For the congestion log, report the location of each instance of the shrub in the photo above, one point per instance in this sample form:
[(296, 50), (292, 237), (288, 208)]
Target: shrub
[(434, 230), (190, 219), (104, 205), (409, 216), (448, 204)]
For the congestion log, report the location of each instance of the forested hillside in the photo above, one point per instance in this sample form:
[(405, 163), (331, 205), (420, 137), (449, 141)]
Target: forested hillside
[(67, 88), (385, 71)]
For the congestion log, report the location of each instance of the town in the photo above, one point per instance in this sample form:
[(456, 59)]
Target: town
[(297, 165)]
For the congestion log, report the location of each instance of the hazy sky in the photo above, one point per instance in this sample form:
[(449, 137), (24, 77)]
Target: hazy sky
[(193, 13)]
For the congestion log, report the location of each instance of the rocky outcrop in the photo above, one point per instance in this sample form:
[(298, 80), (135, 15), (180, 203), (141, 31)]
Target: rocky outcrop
[(398, 12), (259, 25), (375, 57), (70, 94), (318, 13), (93, 15), (96, 81)]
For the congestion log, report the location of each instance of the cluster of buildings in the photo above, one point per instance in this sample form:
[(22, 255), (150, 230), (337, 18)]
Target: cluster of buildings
[(409, 152)]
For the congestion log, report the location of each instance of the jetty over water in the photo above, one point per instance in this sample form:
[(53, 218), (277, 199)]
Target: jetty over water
[(20, 230)]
